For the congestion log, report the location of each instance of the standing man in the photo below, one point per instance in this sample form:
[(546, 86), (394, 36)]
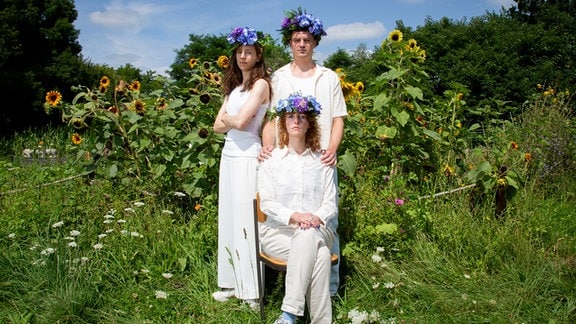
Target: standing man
[(302, 32)]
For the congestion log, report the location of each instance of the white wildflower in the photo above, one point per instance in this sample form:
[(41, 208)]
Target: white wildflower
[(108, 216), (124, 232), (84, 259), (101, 236), (58, 224), (98, 246), (112, 211), (48, 251), (389, 285), (374, 316), (33, 247), (121, 221), (376, 285), (166, 211), (108, 221), (467, 276), (145, 271), (129, 209), (110, 230), (379, 249), (376, 258), (72, 244), (179, 194), (139, 204), (135, 234), (167, 275), (160, 294), (357, 317), (69, 238), (74, 233), (11, 235)]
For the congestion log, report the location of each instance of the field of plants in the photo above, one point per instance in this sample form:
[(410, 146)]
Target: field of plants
[(448, 213)]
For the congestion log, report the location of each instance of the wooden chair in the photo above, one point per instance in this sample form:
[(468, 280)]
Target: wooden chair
[(262, 259)]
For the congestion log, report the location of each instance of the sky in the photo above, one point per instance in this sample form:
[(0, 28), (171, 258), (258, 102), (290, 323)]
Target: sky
[(147, 33)]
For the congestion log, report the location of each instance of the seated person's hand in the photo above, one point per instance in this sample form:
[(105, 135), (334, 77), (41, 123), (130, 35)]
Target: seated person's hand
[(306, 220)]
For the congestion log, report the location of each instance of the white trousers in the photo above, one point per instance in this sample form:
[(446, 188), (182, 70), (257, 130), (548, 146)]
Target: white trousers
[(237, 267), (308, 272)]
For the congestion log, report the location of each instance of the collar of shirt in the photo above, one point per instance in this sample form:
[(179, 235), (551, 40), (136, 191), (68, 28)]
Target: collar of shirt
[(289, 151)]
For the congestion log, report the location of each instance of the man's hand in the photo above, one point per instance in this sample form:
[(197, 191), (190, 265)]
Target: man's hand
[(265, 153), (328, 158)]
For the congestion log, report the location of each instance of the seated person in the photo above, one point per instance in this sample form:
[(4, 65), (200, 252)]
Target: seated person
[(299, 196)]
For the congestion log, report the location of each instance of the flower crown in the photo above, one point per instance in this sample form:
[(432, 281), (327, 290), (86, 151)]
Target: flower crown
[(246, 36), (298, 20), (298, 103)]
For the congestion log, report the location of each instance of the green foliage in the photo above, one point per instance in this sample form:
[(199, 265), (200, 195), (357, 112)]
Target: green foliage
[(163, 135)]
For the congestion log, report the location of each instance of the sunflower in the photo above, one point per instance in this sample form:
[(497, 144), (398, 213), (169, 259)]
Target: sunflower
[(359, 86), (215, 77), (102, 89), (193, 91), (120, 87), (412, 45), (104, 81), (78, 123), (76, 138), (223, 61), (513, 145), (139, 107), (527, 157), (53, 98), (161, 104), (203, 133), (206, 65), (395, 36), (192, 62), (205, 98), (134, 86), (113, 109)]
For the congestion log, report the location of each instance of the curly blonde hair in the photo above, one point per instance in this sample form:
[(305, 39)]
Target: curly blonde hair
[(312, 135)]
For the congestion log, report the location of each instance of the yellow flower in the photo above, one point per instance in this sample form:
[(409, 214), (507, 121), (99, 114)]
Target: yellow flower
[(412, 45), (193, 62), (104, 81), (223, 61), (501, 181), (134, 86), (53, 97), (395, 36), (139, 107), (527, 157), (513, 145), (448, 170), (359, 86), (197, 207), (76, 138)]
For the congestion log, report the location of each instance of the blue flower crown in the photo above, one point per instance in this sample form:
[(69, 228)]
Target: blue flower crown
[(243, 36), (298, 103), (299, 20)]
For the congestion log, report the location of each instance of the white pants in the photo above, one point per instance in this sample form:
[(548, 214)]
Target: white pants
[(308, 272)]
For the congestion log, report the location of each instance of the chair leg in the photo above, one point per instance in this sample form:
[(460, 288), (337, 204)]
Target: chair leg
[(261, 289)]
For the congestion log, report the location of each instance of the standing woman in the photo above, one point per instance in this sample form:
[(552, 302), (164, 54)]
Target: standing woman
[(247, 92)]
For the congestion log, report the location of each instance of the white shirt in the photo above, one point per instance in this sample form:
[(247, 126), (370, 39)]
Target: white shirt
[(288, 183)]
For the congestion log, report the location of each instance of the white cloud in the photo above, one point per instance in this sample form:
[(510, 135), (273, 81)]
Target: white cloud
[(354, 31)]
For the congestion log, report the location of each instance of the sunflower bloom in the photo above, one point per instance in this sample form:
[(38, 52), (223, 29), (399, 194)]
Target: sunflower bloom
[(139, 107), (205, 98), (395, 36), (527, 157), (359, 86), (76, 139), (513, 145), (192, 62), (113, 109), (134, 86), (223, 61), (104, 81), (161, 104), (53, 97), (412, 45), (448, 170)]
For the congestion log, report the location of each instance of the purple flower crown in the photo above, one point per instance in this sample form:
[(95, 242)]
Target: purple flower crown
[(298, 103), (299, 20), (242, 36)]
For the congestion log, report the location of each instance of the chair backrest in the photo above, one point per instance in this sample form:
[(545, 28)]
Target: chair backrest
[(261, 216)]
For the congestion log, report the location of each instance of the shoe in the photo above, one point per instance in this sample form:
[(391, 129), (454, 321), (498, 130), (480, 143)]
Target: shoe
[(253, 303), (282, 320), (223, 295)]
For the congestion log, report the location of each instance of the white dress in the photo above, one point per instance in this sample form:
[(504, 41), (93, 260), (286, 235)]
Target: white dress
[(237, 188)]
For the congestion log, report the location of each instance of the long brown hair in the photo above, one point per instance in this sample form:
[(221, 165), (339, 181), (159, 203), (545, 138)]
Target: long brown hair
[(233, 74), (312, 135)]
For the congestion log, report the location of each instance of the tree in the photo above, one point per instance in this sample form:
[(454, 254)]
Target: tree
[(38, 52)]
